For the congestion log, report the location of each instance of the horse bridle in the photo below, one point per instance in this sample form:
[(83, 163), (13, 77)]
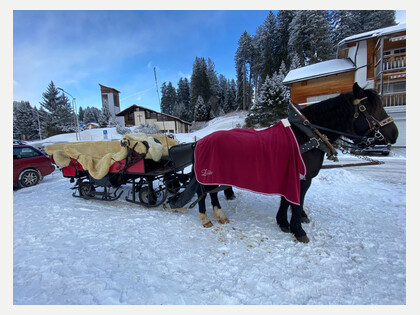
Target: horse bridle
[(374, 124)]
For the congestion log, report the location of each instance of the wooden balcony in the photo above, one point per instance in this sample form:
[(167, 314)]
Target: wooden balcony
[(394, 62), (394, 99)]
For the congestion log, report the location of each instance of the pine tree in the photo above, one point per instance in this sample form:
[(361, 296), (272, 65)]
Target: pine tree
[(271, 104), (284, 18), (244, 66), (267, 45), (200, 84), (25, 121), (320, 46), (57, 115), (90, 116), (104, 117), (202, 110), (168, 98), (183, 97), (231, 103), (81, 113)]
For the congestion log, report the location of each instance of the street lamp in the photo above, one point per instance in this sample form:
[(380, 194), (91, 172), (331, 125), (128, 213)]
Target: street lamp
[(76, 119)]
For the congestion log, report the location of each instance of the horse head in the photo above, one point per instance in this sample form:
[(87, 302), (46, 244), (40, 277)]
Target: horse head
[(370, 117)]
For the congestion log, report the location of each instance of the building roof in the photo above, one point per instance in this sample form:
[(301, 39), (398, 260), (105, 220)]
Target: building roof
[(134, 106), (107, 89), (375, 33), (320, 69)]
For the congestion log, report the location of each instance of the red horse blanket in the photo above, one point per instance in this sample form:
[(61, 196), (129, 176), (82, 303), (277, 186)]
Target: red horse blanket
[(266, 161)]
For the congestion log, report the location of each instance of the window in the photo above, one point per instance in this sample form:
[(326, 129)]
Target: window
[(116, 100), (319, 98), (25, 152), (394, 87), (394, 51)]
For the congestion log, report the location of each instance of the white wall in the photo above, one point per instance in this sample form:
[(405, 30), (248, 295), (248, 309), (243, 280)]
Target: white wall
[(399, 115)]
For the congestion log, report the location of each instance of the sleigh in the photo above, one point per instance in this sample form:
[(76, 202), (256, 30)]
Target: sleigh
[(153, 165)]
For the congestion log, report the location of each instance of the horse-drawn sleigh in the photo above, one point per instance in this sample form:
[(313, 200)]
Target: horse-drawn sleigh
[(154, 174)]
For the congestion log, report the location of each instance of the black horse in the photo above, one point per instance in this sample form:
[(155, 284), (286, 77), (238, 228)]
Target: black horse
[(358, 114)]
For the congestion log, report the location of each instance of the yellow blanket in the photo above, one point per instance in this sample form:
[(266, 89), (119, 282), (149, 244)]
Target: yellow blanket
[(97, 156)]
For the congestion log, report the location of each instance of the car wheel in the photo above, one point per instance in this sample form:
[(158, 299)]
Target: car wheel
[(29, 178)]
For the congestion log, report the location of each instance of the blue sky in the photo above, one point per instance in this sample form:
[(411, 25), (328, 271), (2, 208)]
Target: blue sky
[(78, 50)]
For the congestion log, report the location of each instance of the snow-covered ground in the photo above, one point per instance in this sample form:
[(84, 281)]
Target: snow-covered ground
[(69, 250)]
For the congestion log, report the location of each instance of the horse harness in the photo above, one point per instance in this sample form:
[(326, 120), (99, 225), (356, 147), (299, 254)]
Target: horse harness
[(321, 142), (374, 124)]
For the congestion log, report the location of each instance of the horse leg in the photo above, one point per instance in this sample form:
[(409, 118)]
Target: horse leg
[(217, 209), (303, 189), (205, 220), (297, 210), (229, 194), (281, 216)]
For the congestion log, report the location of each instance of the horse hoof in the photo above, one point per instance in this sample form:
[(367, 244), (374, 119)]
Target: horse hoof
[(305, 220), (302, 239), (220, 215), (285, 229), (224, 220), (208, 224), (231, 197)]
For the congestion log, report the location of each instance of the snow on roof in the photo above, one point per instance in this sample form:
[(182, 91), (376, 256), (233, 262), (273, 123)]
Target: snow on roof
[(375, 33), (320, 69)]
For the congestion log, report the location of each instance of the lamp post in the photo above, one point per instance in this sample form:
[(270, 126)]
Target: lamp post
[(76, 119)]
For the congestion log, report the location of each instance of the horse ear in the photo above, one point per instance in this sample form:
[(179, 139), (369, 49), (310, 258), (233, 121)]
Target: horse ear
[(358, 91)]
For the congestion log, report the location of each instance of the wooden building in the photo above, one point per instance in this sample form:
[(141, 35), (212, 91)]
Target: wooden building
[(136, 115), (375, 59)]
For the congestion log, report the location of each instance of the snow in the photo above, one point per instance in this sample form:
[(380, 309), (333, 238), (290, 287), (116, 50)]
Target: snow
[(71, 251), (319, 69), (375, 33)]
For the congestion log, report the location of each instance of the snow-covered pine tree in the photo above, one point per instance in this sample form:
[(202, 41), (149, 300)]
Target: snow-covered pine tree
[(319, 37), (202, 110), (267, 36), (271, 104), (284, 18), (67, 121), (90, 116), (25, 121), (104, 116)]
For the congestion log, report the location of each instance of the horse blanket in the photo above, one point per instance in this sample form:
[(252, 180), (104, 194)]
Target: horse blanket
[(266, 161)]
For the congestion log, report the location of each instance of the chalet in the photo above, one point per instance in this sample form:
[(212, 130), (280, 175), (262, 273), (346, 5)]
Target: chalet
[(92, 125), (136, 115), (375, 59)]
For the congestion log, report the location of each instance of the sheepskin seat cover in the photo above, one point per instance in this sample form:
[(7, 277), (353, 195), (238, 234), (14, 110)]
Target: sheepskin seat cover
[(97, 156)]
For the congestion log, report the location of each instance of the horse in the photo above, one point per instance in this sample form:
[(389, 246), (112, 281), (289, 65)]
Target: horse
[(358, 114)]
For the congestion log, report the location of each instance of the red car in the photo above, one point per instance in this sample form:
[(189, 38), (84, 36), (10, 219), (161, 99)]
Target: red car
[(30, 165)]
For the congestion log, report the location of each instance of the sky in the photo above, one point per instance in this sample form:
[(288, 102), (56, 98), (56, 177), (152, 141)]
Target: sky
[(80, 49)]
